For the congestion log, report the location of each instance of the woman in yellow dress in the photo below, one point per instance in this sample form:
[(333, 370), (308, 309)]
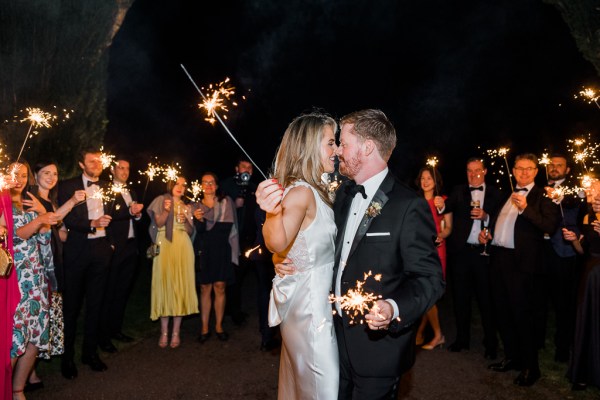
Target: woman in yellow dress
[(173, 281)]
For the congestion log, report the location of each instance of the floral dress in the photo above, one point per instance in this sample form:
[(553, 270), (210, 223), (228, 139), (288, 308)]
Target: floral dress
[(32, 314)]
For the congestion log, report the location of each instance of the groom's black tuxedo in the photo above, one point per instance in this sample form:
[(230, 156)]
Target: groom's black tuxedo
[(398, 244)]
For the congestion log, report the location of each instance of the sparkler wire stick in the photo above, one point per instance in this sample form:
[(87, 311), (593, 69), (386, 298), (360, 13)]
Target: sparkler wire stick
[(25, 141), (223, 123), (512, 188)]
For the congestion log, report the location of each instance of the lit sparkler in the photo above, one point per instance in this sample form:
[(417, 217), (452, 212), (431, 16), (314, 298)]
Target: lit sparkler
[(106, 159), (589, 95), (216, 115), (151, 172), (216, 100), (171, 173), (432, 162), (248, 252), (581, 153), (37, 118), (196, 190), (545, 161), (357, 302), (502, 152)]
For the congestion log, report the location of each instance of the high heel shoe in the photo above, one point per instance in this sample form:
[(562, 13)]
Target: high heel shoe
[(433, 344), (164, 340), (175, 341)]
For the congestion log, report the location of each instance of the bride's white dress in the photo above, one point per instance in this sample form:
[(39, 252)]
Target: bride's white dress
[(309, 367)]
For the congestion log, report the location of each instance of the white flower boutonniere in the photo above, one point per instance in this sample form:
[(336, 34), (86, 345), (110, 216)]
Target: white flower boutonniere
[(373, 210)]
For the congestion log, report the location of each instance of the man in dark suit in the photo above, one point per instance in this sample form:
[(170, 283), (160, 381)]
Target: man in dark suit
[(471, 206), (561, 270), (389, 230), (87, 254), (517, 238), (124, 210)]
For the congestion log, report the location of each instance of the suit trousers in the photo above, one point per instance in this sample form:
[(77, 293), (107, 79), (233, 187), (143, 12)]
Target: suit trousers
[(514, 296), (355, 387), (86, 272), (123, 267), (469, 274)]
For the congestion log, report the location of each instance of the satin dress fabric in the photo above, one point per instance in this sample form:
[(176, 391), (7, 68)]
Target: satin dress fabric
[(299, 303)]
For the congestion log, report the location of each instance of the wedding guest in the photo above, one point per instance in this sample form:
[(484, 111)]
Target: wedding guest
[(86, 258), (217, 251), (517, 236), (9, 294), (125, 211), (584, 364), (173, 289), (31, 320), (429, 182), (46, 178)]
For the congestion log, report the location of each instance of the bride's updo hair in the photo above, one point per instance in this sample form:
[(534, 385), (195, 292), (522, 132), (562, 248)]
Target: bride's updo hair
[(299, 155)]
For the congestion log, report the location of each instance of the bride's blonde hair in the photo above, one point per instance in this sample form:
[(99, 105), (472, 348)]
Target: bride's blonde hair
[(299, 154)]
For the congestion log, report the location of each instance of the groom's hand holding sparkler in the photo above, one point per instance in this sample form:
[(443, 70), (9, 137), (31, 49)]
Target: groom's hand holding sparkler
[(380, 315)]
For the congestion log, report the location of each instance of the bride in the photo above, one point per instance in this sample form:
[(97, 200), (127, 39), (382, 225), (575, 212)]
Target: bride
[(300, 226)]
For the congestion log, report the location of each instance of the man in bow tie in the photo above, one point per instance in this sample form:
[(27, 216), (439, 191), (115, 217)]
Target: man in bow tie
[(471, 206), (87, 254), (561, 270), (386, 228), (125, 212), (517, 239)]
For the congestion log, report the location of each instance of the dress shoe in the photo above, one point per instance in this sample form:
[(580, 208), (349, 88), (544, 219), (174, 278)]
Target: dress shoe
[(434, 343), (269, 345), (504, 365), (527, 377), (457, 347), (107, 347), (222, 336), (490, 354), (33, 386), (203, 337), (68, 369), (94, 362), (123, 338)]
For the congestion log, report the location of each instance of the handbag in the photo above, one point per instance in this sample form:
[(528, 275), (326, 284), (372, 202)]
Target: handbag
[(6, 260), (153, 250)]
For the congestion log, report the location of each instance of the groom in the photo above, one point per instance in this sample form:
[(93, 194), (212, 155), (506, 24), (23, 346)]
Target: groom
[(383, 227)]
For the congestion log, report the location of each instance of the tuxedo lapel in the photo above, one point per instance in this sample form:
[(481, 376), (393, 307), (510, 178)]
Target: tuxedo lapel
[(379, 197), (341, 221)]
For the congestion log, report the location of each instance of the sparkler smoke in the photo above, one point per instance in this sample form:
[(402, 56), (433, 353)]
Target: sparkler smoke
[(357, 302), (216, 114)]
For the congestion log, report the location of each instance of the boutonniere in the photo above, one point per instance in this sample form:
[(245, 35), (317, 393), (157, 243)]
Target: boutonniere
[(373, 210)]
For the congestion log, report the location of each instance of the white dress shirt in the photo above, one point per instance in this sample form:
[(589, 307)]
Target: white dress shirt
[(476, 227), (504, 232), (95, 206)]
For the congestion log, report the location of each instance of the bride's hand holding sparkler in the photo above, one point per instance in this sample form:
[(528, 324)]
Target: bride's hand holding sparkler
[(380, 315), (269, 194)]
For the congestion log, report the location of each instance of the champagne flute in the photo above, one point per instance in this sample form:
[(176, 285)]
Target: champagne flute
[(484, 252)]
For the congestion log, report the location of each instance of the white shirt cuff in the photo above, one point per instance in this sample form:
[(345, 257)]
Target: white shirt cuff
[(395, 307)]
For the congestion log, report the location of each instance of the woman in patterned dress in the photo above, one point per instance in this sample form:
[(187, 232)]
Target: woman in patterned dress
[(31, 230)]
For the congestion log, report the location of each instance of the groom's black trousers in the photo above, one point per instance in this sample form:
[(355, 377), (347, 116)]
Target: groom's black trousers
[(355, 387)]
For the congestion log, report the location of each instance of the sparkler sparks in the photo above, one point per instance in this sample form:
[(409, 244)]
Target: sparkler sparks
[(171, 173), (502, 152), (589, 95), (357, 302), (581, 153), (37, 119), (216, 100), (196, 190), (106, 159), (545, 161), (432, 162), (252, 250)]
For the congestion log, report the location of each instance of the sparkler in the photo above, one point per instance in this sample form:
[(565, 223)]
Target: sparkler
[(216, 115), (151, 172), (580, 153), (357, 302), (588, 95), (196, 190), (171, 173), (252, 250), (106, 159), (216, 100), (501, 152), (38, 119), (432, 162), (545, 161)]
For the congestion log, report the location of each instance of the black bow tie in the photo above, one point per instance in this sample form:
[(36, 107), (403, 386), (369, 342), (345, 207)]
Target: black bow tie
[(353, 188), (476, 188), (90, 183), (521, 189)]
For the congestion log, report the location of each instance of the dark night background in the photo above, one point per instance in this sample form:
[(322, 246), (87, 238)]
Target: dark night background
[(450, 76)]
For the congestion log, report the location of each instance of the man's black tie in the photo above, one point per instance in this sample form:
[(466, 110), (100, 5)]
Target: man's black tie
[(352, 188), (520, 189), (476, 188), (90, 183)]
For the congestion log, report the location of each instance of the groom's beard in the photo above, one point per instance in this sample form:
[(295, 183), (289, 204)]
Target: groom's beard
[(350, 167)]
